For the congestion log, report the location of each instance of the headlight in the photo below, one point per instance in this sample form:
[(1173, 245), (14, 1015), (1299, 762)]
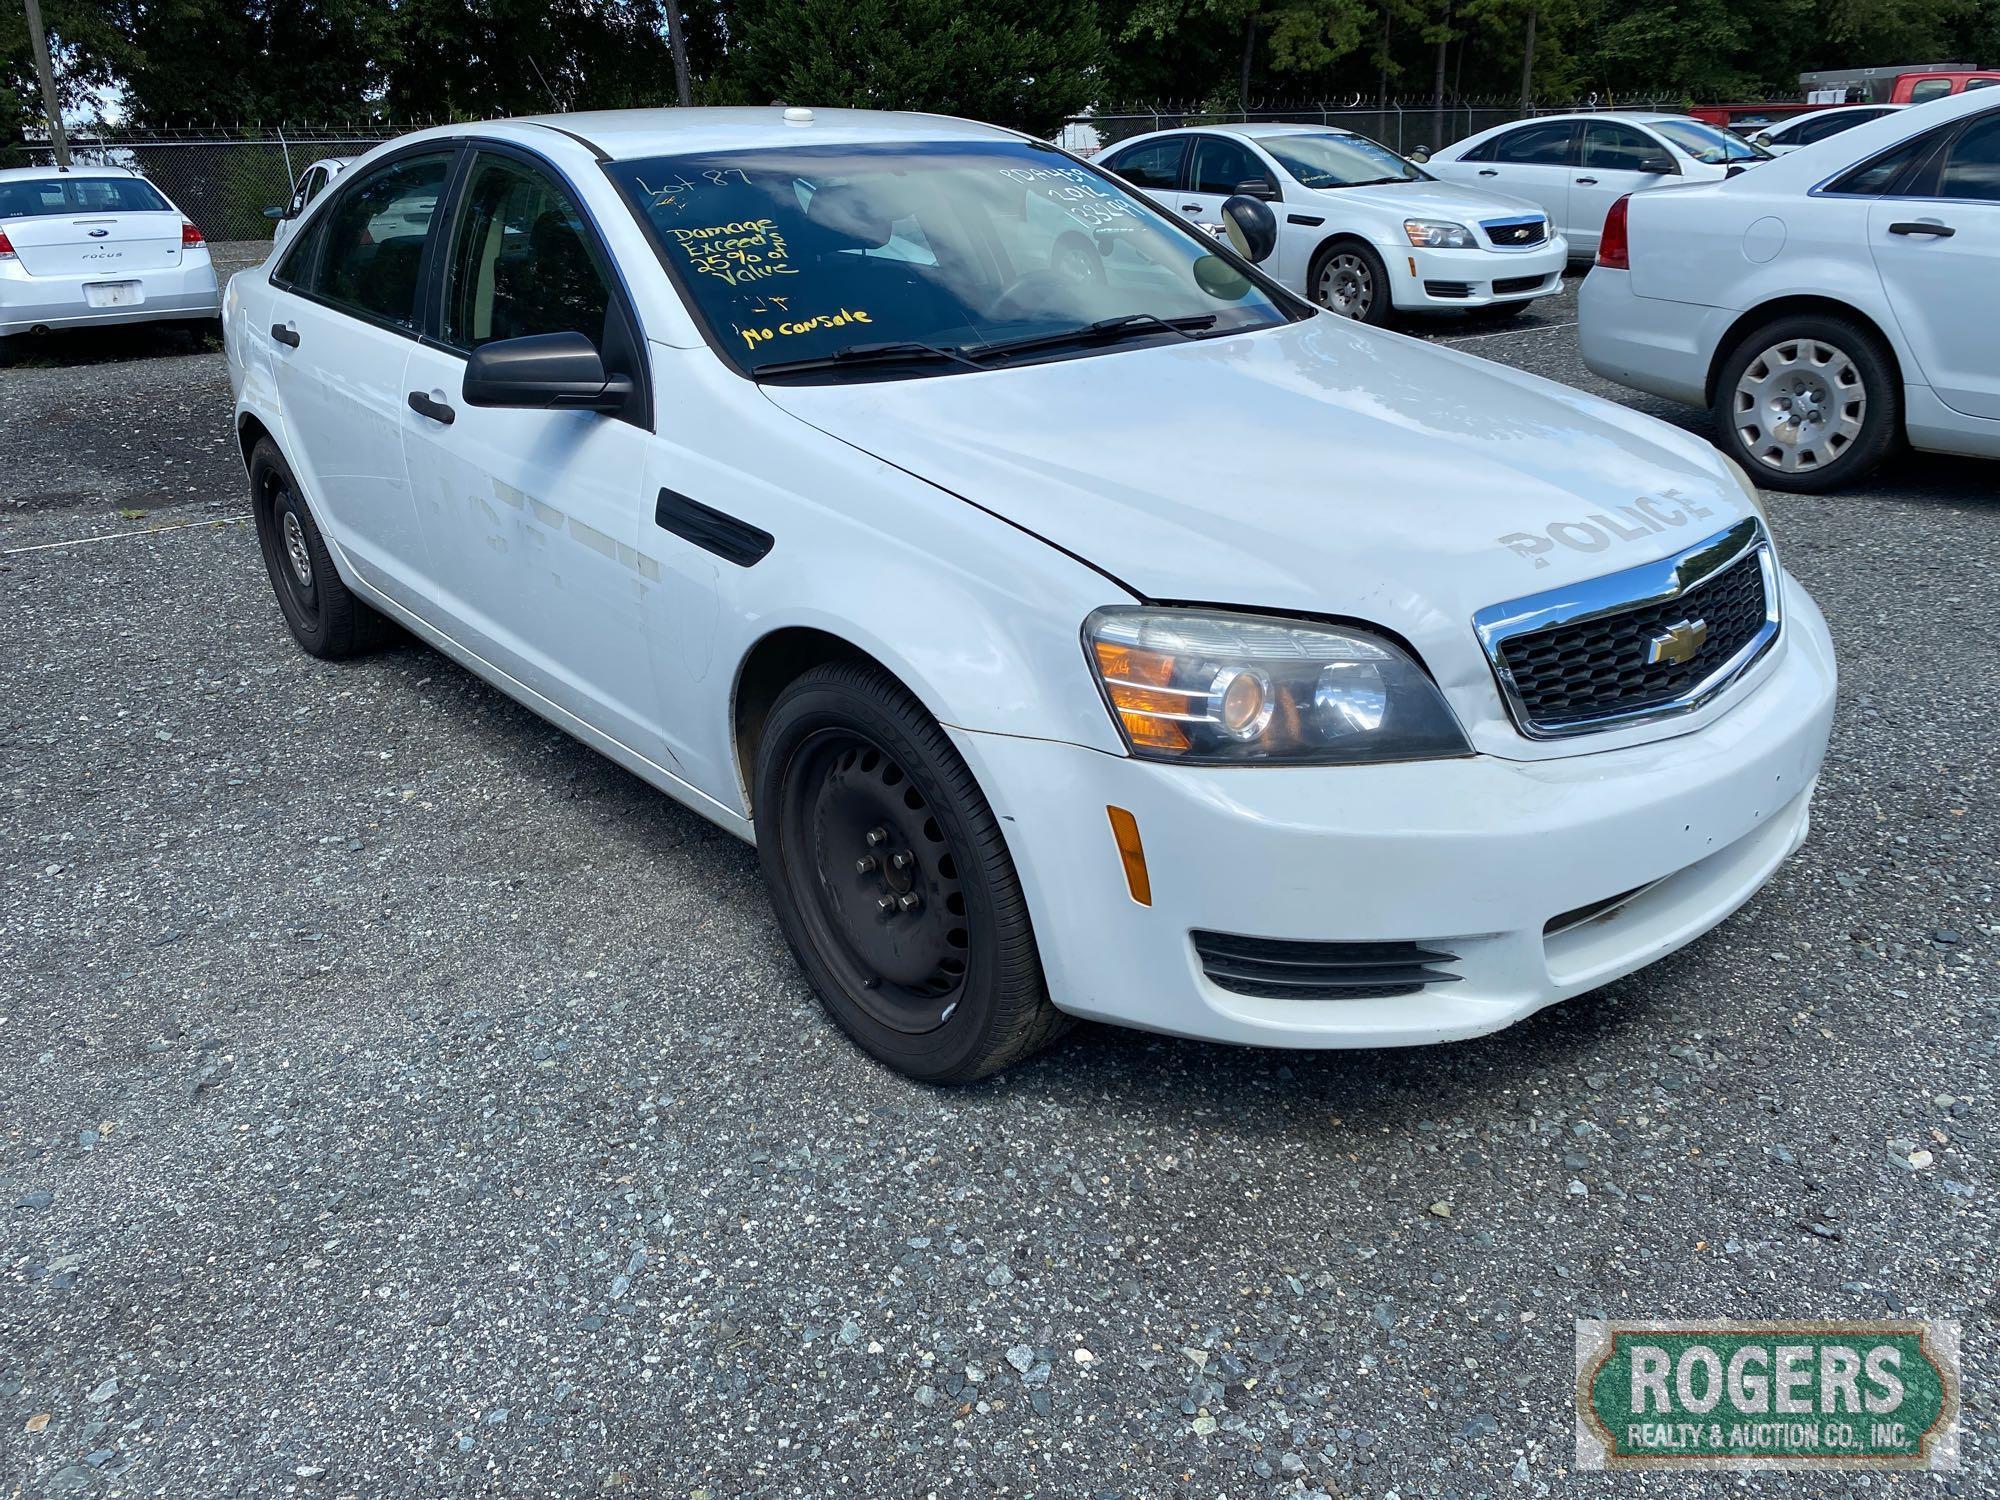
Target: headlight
[(1434, 234), (1213, 688)]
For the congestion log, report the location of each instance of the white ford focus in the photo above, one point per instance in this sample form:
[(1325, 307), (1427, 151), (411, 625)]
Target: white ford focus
[(1078, 623), (88, 246)]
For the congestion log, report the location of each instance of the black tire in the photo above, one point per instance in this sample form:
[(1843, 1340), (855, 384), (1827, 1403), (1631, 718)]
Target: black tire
[(325, 617), (1370, 305), (1847, 389), (957, 992)]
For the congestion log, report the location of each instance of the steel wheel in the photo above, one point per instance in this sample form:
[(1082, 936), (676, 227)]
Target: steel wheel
[(292, 571), (1800, 405), (1346, 286), (880, 885)]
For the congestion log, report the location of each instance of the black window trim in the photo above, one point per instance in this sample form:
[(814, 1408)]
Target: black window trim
[(1248, 147), (437, 264), (452, 147)]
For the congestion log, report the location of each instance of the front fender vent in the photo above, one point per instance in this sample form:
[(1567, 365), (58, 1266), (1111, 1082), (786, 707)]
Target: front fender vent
[(1279, 969)]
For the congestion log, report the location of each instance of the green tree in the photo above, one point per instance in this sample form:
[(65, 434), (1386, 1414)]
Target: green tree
[(225, 60), (1025, 63), (90, 48)]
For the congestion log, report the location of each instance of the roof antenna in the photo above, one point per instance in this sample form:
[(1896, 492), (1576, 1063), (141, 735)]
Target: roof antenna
[(555, 104)]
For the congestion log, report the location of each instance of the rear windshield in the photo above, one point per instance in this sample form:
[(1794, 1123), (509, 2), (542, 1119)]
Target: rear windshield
[(803, 253), (41, 197)]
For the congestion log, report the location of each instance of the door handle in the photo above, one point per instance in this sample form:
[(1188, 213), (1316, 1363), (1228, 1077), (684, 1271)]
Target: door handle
[(1190, 208), (1924, 226), (1586, 182), (289, 337), (437, 411), (1488, 172)]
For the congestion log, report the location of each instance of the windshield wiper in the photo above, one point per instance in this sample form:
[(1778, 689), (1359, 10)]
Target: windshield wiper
[(1372, 182), (899, 352), (1103, 331)]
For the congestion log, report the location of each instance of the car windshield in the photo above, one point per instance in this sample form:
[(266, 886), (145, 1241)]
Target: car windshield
[(1335, 160), (44, 197), (942, 251), (1706, 144)]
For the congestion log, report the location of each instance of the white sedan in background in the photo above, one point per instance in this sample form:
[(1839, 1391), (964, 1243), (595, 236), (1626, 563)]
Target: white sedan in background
[(1361, 231), (1574, 167), (1787, 136), (1825, 307), (313, 181), (86, 246)]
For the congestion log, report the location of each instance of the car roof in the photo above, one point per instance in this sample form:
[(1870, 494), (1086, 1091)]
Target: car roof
[(19, 174), (623, 134)]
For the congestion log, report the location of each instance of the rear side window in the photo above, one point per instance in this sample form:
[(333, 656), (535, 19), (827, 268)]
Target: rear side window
[(1972, 170), (1881, 174), (1538, 145), (374, 239), (521, 262), (1151, 164), (45, 197)]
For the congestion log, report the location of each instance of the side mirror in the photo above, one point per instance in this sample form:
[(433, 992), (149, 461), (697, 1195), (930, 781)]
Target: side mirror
[(1251, 226), (1421, 155), (544, 371), (278, 211), (1258, 187), (1659, 166), (1761, 138)]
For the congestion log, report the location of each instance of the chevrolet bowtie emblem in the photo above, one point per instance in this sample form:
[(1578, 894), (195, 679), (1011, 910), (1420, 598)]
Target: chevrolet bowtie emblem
[(1677, 644)]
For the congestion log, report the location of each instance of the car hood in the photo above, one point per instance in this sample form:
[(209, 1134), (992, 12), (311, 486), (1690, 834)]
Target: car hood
[(1432, 200), (1318, 468)]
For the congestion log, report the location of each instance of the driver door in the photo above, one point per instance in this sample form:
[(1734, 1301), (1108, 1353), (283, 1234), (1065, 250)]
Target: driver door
[(1219, 164), (1611, 166)]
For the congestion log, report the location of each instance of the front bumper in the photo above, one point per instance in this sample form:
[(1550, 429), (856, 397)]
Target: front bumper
[(1444, 279), (1473, 857), (187, 291)]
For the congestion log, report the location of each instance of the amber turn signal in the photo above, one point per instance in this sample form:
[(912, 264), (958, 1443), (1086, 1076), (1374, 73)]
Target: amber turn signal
[(1125, 829)]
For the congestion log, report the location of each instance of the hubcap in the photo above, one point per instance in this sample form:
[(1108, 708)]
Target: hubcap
[(295, 549), (1800, 405), (878, 884), (1346, 287)]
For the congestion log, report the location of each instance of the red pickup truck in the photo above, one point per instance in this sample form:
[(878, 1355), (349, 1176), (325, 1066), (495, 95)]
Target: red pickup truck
[(1918, 88)]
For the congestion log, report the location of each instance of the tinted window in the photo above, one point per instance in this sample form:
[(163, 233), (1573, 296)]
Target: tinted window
[(1220, 163), (1879, 174), (1538, 145), (1154, 164), (41, 197), (1618, 148), (1930, 88), (797, 252), (303, 193), (1972, 170), (375, 233), (1980, 83), (295, 269), (1831, 125), (520, 261)]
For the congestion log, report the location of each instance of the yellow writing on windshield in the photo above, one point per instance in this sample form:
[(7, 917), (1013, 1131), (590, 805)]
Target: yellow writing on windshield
[(755, 336), (742, 251)]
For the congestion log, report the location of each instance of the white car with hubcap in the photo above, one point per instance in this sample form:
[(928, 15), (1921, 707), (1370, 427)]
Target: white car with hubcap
[(1361, 231), (1826, 307), (1079, 625)]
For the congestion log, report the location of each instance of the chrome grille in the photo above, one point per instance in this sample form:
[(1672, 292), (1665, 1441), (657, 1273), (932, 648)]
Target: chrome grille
[(1646, 643)]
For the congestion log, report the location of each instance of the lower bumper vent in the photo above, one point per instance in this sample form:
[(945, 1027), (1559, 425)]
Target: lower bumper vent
[(1277, 969), (1448, 288), (1506, 286)]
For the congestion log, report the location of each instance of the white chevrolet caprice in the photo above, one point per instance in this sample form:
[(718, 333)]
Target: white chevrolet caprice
[(1079, 623)]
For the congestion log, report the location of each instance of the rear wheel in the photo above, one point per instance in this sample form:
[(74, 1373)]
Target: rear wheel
[(1808, 403), (1347, 278), (324, 615), (893, 883)]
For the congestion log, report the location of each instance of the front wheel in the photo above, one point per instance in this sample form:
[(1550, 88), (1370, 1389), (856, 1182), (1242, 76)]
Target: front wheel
[(1347, 279), (892, 881), (1808, 403)]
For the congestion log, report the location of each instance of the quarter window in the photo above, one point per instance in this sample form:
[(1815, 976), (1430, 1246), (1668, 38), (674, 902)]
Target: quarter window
[(1538, 145), (521, 262), (1881, 174), (375, 235), (1151, 164), (1973, 168), (1220, 164)]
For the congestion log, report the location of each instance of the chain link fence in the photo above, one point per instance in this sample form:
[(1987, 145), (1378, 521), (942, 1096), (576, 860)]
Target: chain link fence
[(1401, 125), (221, 180)]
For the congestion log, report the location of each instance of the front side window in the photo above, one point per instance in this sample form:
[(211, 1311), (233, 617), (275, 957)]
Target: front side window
[(37, 198), (1334, 160), (1538, 145), (1708, 145), (1220, 164), (1151, 164), (1610, 147), (803, 253), (1972, 170), (520, 261), (375, 235)]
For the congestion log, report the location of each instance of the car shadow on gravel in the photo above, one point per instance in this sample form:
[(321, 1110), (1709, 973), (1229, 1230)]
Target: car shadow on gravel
[(77, 347)]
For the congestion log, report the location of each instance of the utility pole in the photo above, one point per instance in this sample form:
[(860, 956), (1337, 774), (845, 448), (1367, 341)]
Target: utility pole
[(677, 40), (40, 43)]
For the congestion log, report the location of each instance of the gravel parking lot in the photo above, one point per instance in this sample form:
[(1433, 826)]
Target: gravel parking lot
[(402, 1100)]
